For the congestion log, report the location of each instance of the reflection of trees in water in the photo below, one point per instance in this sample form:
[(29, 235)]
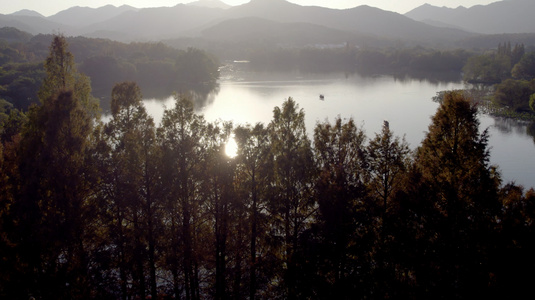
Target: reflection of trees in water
[(236, 70), (431, 77), (201, 94), (478, 92), (530, 130), (204, 97), (508, 126)]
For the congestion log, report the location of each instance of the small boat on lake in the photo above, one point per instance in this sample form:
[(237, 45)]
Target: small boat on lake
[(322, 97)]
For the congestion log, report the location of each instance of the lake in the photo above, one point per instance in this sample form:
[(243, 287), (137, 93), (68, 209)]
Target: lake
[(249, 97)]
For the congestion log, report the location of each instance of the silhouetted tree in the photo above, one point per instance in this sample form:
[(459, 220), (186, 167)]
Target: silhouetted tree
[(387, 159), (293, 207), (53, 212), (218, 191), (337, 244), (12, 269), (454, 161), (62, 75), (129, 160), (181, 137), (515, 245), (55, 189), (524, 69), (254, 175), (517, 53)]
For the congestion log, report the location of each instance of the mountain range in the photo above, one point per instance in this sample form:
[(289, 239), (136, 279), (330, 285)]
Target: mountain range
[(508, 16), (279, 21)]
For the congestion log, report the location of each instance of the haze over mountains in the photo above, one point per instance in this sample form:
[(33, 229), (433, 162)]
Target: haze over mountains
[(280, 21), (510, 16)]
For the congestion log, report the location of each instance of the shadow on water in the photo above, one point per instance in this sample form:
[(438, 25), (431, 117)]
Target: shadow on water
[(512, 126), (201, 94), (530, 130)]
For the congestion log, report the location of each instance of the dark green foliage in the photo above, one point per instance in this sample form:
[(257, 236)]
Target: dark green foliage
[(491, 68), (5, 107), (454, 153), (335, 248), (11, 34), (517, 54), (387, 162), (515, 94), (499, 68), (525, 68), (60, 69), (9, 180), (157, 68), (453, 162), (105, 71), (135, 205), (487, 69), (19, 83), (515, 242), (52, 213), (254, 172), (195, 67), (62, 75), (292, 205), (181, 138)]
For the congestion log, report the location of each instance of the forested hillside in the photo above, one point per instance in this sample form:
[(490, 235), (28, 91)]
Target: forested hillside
[(509, 71), (157, 68), (131, 210)]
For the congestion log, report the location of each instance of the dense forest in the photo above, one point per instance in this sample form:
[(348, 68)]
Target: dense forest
[(132, 210), (157, 68), (509, 71)]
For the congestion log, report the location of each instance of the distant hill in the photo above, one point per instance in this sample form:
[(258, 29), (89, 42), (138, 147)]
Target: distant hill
[(210, 4), (33, 24), (83, 16), (511, 16), (363, 19), (157, 23), (197, 19), (255, 30), (27, 12), (12, 34)]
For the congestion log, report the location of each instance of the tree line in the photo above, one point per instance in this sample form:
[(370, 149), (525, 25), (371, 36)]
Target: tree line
[(413, 60), (510, 70), (132, 210)]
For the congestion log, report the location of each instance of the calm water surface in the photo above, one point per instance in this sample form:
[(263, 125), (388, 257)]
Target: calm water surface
[(405, 103)]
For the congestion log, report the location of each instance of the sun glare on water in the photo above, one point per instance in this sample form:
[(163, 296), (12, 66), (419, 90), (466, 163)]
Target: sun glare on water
[(231, 148)]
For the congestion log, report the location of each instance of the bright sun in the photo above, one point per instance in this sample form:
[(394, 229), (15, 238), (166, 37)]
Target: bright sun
[(231, 148)]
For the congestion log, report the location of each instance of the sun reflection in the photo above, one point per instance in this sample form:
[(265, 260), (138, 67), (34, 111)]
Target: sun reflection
[(231, 148)]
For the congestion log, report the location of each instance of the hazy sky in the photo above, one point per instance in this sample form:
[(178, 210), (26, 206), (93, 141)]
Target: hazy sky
[(50, 7)]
